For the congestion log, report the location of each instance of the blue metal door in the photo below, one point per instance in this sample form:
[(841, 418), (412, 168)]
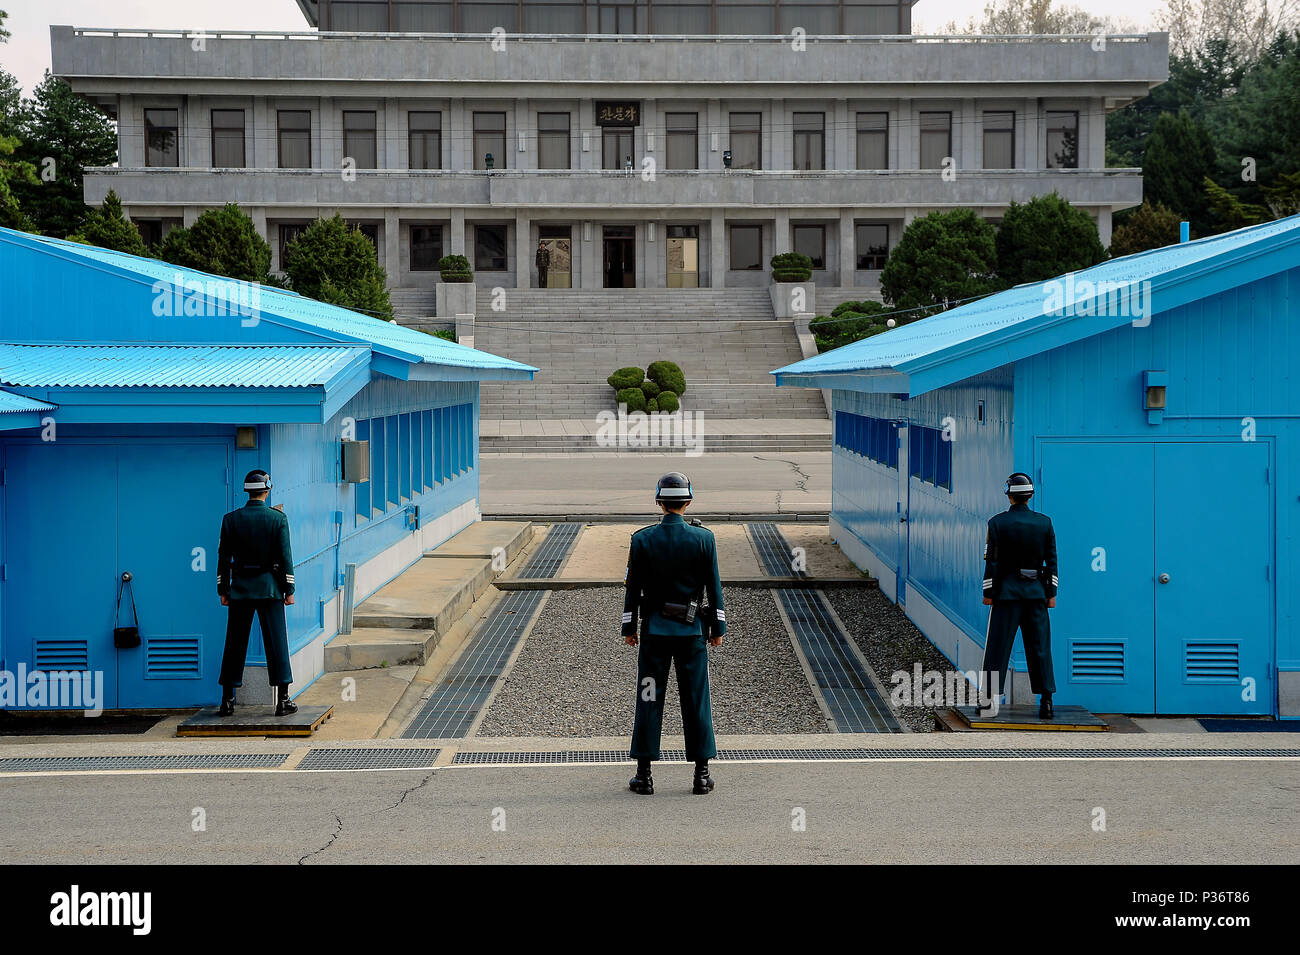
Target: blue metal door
[(1213, 573), (1099, 497), (60, 563), (167, 539)]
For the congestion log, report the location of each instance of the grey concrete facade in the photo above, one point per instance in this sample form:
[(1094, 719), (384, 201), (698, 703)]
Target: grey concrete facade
[(387, 78)]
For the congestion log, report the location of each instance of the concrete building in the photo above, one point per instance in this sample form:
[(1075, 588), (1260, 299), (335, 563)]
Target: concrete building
[(135, 395), (644, 143), (1153, 401)]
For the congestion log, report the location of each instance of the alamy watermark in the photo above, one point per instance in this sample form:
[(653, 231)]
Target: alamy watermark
[(209, 297), (636, 429), (52, 690), (1102, 298)]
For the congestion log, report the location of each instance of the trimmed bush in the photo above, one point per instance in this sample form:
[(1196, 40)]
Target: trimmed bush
[(445, 333), (650, 388), (652, 406), (847, 325), (791, 267), (634, 398), (626, 378), (668, 402), (668, 376), (455, 268)]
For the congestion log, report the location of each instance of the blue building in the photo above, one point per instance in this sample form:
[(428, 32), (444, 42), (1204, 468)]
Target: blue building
[(135, 397), (1154, 399)]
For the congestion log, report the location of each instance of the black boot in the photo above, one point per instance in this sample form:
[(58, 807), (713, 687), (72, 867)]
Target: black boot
[(642, 784), (227, 701), (1045, 711), (703, 781), (283, 705)]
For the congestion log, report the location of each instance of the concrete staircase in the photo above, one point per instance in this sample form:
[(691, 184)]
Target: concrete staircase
[(828, 298), (412, 303)]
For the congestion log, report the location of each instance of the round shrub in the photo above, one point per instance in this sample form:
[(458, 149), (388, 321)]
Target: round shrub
[(650, 388), (668, 402), (626, 378), (668, 376), (652, 406), (791, 267), (634, 398), (455, 268)]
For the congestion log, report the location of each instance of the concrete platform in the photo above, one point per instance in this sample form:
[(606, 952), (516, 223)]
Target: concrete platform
[(255, 719), (432, 594), (482, 539), (368, 647), (1019, 717)]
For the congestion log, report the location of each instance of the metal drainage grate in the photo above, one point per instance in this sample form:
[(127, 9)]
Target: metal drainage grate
[(864, 754), (451, 709), (845, 683), (361, 759), (46, 764), (774, 551), (555, 547)]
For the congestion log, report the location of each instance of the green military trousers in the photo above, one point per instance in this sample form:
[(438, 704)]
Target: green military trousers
[(275, 640), (1030, 618), (690, 657)]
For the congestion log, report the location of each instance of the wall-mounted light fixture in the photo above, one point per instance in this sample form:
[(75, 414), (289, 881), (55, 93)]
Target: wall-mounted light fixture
[(1154, 397), (650, 231), (246, 438)]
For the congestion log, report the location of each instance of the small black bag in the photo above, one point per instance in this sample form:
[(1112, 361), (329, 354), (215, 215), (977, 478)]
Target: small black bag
[(124, 638)]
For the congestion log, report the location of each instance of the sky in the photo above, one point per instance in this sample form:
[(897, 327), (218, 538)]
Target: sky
[(27, 54)]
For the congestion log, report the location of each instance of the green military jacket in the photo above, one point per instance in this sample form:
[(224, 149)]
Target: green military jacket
[(672, 562), (253, 558), (1020, 556)]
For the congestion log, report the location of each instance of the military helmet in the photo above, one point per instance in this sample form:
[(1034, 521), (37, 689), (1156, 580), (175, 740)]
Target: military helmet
[(255, 481), (674, 487), (1020, 485)]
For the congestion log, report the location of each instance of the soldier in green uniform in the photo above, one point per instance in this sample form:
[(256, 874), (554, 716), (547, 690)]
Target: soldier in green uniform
[(255, 576), (1020, 585), (672, 566)]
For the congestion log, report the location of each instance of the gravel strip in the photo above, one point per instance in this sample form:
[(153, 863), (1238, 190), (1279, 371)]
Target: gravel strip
[(890, 642), (575, 676)]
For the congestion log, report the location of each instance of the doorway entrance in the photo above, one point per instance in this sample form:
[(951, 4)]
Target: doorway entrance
[(683, 251), (620, 256), (558, 243)]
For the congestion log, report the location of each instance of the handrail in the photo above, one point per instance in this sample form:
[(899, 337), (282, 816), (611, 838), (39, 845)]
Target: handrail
[(616, 37)]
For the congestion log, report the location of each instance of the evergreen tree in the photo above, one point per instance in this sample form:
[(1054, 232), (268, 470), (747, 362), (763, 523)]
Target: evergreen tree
[(333, 263), (108, 228), (1046, 237), (1150, 227), (943, 257), (223, 242), (1179, 155)]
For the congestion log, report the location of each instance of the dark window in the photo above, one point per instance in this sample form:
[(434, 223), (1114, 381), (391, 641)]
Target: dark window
[(553, 141), (162, 137), (288, 232), (490, 248), (999, 140), (683, 140), (811, 241), (370, 230), (228, 138), (746, 247), (616, 147), (426, 247), (936, 139), (871, 438), (422, 16), (746, 141), (150, 231), (490, 137), (295, 138), (872, 241), (929, 456), (424, 138), (873, 140), (359, 16), (809, 140), (615, 17), (359, 138), (1063, 140)]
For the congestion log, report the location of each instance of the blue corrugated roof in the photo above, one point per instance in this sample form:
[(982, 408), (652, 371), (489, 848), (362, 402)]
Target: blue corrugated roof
[(331, 321), (993, 331), (195, 366), (11, 403)]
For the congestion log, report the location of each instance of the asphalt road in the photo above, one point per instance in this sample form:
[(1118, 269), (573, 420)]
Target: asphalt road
[(1158, 811), (767, 482)]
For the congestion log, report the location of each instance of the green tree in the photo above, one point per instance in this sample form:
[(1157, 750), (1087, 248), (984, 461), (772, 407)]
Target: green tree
[(1150, 227), (61, 135), (221, 241), (1179, 155), (1046, 237), (333, 263), (941, 257), (107, 228), (1227, 212)]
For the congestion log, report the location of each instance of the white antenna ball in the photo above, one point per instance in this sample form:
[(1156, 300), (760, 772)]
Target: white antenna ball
[(890, 323)]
